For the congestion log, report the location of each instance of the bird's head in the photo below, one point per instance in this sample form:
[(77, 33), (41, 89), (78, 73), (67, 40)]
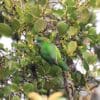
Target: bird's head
[(39, 40)]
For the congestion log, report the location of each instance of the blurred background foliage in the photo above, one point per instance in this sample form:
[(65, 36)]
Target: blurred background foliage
[(71, 26)]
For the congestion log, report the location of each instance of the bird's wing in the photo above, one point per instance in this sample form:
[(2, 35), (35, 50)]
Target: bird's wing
[(50, 53)]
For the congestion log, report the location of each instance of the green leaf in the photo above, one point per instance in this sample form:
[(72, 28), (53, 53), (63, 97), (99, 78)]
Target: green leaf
[(7, 90), (4, 72), (78, 78), (14, 87), (8, 4), (92, 3), (73, 31), (98, 3), (1, 46), (19, 11), (5, 30), (84, 15), (58, 13), (13, 65), (54, 82), (70, 2), (92, 31), (92, 35), (36, 11), (62, 27), (71, 48), (15, 98), (25, 61), (33, 30), (28, 18), (40, 25), (28, 87), (71, 13), (98, 38), (32, 9), (53, 36), (15, 24), (98, 72), (90, 57), (85, 65), (43, 2), (17, 79), (1, 94)]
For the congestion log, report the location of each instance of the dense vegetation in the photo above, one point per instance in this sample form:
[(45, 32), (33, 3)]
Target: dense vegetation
[(71, 27)]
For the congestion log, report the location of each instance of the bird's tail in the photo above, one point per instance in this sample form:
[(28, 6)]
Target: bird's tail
[(64, 66)]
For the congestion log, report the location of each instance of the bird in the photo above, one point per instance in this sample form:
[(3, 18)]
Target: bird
[(50, 53)]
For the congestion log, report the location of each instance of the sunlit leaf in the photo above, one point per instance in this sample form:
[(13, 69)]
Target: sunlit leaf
[(19, 11), (53, 36), (98, 3), (72, 31), (84, 15), (8, 4), (90, 57), (71, 48), (92, 31), (40, 25)]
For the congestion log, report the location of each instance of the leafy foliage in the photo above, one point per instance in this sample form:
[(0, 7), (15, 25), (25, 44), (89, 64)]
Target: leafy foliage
[(68, 27), (39, 25), (62, 27), (5, 29)]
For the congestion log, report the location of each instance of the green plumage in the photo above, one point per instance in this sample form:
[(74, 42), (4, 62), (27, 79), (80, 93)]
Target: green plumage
[(50, 52)]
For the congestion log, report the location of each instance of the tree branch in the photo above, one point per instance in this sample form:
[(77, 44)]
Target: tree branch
[(67, 89)]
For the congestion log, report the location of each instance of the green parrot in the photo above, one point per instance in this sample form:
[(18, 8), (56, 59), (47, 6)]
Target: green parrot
[(50, 52)]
